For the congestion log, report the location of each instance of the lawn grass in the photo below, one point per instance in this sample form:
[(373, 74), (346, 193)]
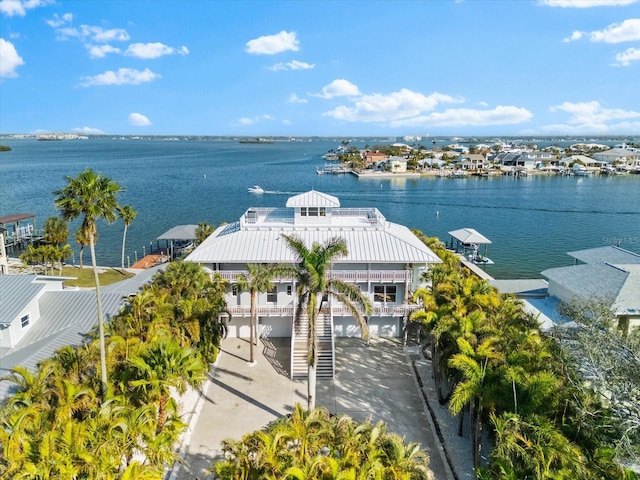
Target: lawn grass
[(84, 276)]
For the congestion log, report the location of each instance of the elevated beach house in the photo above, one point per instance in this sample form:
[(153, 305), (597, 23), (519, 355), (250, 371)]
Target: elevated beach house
[(386, 260)]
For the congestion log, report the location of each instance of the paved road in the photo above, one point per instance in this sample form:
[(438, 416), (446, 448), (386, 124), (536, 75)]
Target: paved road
[(372, 382)]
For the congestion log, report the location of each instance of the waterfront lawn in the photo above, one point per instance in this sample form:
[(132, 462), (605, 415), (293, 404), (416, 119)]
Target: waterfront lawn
[(84, 276)]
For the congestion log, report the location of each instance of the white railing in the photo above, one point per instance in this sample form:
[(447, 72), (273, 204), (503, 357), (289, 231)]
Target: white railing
[(383, 276), (262, 310)]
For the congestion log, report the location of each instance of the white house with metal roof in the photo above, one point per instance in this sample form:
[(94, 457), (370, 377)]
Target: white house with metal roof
[(386, 260), (38, 317), (610, 274)]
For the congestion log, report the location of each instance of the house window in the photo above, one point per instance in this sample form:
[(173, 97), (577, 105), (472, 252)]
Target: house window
[(289, 290), (24, 321), (303, 211), (313, 211), (323, 211), (234, 290), (272, 295), (385, 293)]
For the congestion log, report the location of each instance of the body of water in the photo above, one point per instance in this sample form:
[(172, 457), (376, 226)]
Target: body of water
[(532, 221)]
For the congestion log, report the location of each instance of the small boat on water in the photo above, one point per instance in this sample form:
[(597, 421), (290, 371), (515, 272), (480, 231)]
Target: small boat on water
[(580, 170), (256, 189)]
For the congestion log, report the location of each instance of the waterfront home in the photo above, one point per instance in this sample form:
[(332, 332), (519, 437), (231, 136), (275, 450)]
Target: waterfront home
[(373, 158), (397, 164), (38, 317), (513, 159), (626, 157), (472, 162), (610, 274), (589, 163), (385, 260)]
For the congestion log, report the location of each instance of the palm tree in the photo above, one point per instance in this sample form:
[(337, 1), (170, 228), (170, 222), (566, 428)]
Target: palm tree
[(313, 285), (162, 365), (128, 215), (92, 197), (474, 388), (203, 230), (56, 231), (83, 241), (259, 278)]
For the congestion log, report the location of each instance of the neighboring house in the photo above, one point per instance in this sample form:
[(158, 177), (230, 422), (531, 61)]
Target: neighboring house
[(610, 273), (516, 159), (473, 161), (373, 158), (590, 163), (622, 156), (397, 164), (386, 260), (38, 317)]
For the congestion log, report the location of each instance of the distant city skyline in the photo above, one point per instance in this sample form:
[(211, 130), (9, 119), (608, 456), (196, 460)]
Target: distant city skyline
[(308, 68)]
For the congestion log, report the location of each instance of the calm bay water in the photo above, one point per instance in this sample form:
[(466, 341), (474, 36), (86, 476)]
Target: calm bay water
[(531, 221)]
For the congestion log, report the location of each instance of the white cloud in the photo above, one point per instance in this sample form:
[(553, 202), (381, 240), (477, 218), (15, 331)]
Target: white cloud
[(629, 55), (92, 33), (58, 21), (10, 59), (577, 35), (627, 31), (244, 121), (338, 88), (293, 98), (586, 3), (272, 44), (592, 113), (403, 104), (88, 131), (463, 117), (101, 51), (12, 8), (124, 76), (287, 122), (293, 65), (153, 50), (483, 104), (138, 120)]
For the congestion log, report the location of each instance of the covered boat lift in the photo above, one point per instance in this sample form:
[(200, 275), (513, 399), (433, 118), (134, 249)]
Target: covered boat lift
[(467, 241), (178, 239), (19, 235)]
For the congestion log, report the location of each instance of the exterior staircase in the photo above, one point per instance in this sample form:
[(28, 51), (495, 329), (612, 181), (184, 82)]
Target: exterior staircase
[(324, 332)]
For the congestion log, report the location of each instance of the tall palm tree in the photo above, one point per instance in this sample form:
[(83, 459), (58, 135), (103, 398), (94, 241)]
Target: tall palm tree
[(128, 215), (92, 197), (259, 278), (203, 230), (313, 285)]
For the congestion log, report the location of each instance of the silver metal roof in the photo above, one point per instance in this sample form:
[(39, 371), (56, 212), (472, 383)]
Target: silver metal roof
[(65, 317), (469, 235), (180, 232), (16, 291), (609, 254), (618, 284), (369, 237), (313, 199)]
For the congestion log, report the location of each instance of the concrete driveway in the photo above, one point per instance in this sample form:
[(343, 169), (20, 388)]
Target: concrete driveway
[(373, 382)]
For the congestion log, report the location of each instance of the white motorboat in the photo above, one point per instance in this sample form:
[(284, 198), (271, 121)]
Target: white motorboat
[(256, 189), (580, 170)]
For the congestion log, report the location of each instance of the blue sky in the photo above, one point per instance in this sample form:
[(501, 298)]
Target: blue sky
[(299, 68)]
